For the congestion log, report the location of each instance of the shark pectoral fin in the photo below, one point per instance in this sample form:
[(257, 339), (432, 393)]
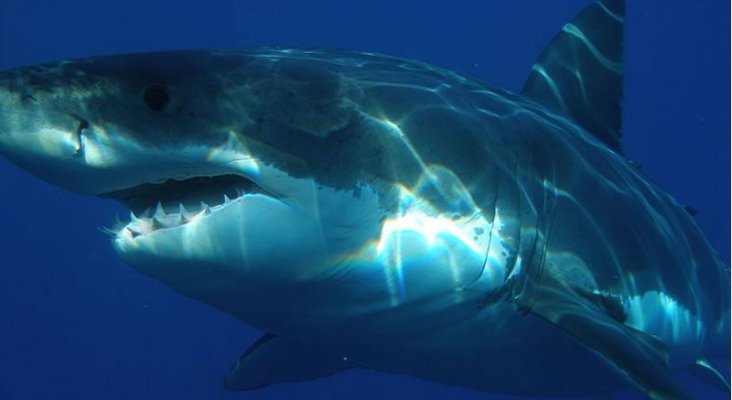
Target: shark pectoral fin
[(580, 73), (271, 360), (638, 356), (705, 372)]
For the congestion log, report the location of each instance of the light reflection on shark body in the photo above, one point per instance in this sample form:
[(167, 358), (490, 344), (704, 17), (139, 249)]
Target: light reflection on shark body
[(372, 212)]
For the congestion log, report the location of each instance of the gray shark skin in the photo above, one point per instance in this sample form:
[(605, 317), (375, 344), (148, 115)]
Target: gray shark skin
[(371, 212)]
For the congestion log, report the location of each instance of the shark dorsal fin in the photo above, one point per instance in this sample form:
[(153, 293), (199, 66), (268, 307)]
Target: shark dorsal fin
[(580, 73)]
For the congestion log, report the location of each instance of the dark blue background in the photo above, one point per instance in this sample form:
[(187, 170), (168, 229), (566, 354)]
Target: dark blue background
[(77, 323)]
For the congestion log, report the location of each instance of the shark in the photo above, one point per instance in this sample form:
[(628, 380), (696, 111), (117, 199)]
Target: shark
[(366, 211)]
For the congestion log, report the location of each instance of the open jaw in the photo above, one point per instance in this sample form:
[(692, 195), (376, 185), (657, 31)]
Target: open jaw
[(173, 203)]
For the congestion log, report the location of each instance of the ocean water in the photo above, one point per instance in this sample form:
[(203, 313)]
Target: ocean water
[(76, 323)]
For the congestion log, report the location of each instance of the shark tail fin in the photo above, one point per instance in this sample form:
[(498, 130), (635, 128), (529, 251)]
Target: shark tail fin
[(580, 73)]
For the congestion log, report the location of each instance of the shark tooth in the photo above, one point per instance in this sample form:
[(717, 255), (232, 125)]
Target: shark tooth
[(184, 219), (133, 232), (205, 210), (147, 213), (159, 210)]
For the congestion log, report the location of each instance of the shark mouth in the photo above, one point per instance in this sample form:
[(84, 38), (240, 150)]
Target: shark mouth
[(173, 203)]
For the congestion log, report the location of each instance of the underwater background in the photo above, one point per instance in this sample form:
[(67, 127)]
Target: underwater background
[(76, 323)]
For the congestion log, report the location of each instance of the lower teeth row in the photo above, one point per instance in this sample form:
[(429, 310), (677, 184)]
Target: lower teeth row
[(150, 221)]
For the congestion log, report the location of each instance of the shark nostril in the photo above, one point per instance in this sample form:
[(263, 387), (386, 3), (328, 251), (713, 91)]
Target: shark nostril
[(80, 131), (83, 126)]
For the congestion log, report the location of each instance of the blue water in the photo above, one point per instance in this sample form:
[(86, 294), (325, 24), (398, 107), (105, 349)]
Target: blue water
[(76, 323)]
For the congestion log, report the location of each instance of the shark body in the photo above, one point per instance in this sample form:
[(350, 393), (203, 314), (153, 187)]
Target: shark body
[(368, 211)]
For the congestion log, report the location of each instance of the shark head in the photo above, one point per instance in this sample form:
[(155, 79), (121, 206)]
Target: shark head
[(244, 172)]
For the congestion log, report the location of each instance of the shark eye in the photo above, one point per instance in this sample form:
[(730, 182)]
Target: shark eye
[(156, 97)]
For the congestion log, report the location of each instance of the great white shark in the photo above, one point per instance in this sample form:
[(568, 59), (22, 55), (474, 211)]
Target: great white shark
[(367, 211)]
